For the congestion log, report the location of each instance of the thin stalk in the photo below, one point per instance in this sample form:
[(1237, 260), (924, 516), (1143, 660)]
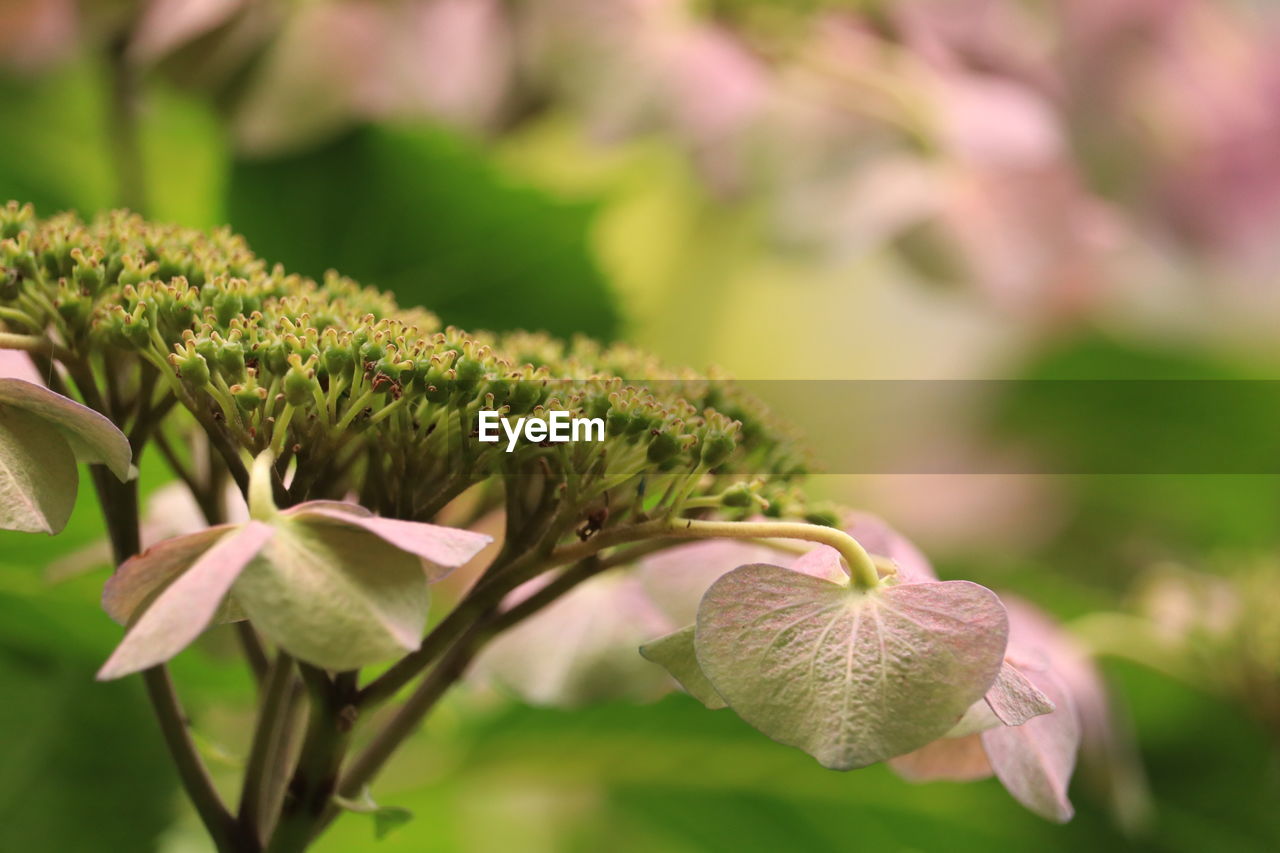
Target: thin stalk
[(254, 653), (119, 502), (862, 568), (406, 719), (219, 823), (316, 777), (35, 344), (273, 717)]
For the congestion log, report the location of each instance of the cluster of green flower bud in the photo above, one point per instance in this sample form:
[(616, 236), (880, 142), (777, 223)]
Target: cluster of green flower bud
[(356, 390)]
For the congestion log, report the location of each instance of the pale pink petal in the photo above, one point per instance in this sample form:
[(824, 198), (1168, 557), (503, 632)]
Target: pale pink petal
[(1014, 699), (15, 364), (142, 577), (582, 648), (441, 549), (166, 25), (1034, 761), (822, 562), (346, 507), (677, 578), (960, 759), (187, 606)]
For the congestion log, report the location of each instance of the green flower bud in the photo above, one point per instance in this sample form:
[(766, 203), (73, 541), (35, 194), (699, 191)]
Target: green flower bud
[(299, 383), (663, 447), (15, 219), (248, 396), (136, 330), (641, 423), (132, 273), (25, 265), (74, 308), (338, 361), (525, 396), (468, 373), (88, 273), (389, 368), (617, 422), (275, 357), (208, 350), (227, 304), (193, 368), (716, 448), (230, 359), (437, 387), (10, 284), (598, 407)]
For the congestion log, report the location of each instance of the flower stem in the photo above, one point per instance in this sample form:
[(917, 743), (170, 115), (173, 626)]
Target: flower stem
[(862, 568), (272, 719), (35, 344), (316, 777), (119, 502)]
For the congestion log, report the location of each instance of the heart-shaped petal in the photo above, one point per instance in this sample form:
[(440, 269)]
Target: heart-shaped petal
[(1034, 761), (852, 677), (442, 549), (186, 606), (92, 437), (675, 652), (335, 595), (37, 474)]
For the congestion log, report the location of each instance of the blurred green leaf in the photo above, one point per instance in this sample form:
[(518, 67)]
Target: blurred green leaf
[(55, 151), (426, 215), (1180, 411), (83, 767), (53, 146)]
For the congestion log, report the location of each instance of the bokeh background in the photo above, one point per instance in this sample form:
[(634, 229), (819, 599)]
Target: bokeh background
[(870, 189)]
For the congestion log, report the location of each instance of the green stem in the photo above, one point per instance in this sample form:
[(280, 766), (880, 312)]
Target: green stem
[(354, 408), (316, 777), (11, 315), (119, 502), (862, 568), (407, 718), (255, 655), (272, 719), (35, 344), (222, 827)]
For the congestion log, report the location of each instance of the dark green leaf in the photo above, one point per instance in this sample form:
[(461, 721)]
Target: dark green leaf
[(429, 217)]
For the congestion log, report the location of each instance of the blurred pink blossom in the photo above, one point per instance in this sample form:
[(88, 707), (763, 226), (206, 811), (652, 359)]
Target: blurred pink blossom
[(35, 34)]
